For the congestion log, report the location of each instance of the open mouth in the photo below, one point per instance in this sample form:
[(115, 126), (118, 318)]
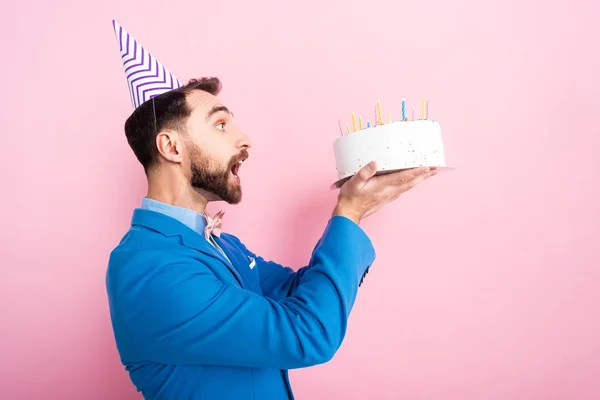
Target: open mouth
[(236, 168)]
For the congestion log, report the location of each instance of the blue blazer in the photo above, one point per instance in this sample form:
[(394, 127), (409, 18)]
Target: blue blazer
[(188, 325)]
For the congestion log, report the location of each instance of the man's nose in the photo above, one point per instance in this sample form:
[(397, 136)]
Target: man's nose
[(243, 141)]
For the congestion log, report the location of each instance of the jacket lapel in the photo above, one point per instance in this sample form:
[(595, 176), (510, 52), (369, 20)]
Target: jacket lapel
[(241, 262), (171, 227)]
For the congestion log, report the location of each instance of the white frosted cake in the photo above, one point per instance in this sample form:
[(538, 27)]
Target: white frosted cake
[(393, 146)]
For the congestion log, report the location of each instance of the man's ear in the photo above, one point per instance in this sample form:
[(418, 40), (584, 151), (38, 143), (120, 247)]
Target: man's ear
[(170, 145)]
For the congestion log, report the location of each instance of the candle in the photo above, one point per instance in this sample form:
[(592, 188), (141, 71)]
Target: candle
[(347, 128), (413, 113), (354, 122), (403, 110), (360, 122), (340, 125), (376, 117), (423, 108), (427, 110), (379, 112), (368, 124), (390, 118)]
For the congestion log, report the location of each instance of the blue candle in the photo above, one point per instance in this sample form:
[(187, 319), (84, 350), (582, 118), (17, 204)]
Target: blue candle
[(368, 124), (403, 110)]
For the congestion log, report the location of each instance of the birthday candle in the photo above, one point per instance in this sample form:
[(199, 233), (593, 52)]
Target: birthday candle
[(423, 108), (360, 122), (403, 110), (390, 118), (427, 110), (354, 122), (379, 112), (376, 117), (413, 113), (340, 124), (368, 124), (347, 128)]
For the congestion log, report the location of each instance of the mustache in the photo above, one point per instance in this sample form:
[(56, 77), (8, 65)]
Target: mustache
[(243, 155)]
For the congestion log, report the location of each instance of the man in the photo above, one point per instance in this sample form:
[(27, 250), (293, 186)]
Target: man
[(197, 315)]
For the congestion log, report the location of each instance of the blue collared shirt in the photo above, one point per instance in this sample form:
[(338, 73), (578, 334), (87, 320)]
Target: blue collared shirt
[(192, 219)]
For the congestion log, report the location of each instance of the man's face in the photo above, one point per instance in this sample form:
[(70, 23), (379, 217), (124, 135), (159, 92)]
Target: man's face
[(215, 148)]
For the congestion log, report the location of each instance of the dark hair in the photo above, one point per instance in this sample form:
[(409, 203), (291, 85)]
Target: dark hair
[(169, 110)]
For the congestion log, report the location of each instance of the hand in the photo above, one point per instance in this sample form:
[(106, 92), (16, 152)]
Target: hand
[(364, 193)]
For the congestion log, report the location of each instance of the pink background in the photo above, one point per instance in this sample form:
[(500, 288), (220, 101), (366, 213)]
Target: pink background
[(486, 284)]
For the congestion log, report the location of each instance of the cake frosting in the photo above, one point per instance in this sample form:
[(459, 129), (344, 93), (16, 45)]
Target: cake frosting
[(393, 146)]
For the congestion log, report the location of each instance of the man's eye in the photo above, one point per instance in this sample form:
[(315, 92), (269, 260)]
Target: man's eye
[(221, 126)]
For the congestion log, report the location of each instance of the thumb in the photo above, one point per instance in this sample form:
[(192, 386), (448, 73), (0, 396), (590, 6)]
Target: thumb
[(364, 174)]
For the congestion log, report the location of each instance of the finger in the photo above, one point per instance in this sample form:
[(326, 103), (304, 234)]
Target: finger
[(405, 186), (364, 174), (391, 193), (403, 176)]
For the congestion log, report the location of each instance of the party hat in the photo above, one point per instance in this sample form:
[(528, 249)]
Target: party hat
[(146, 77)]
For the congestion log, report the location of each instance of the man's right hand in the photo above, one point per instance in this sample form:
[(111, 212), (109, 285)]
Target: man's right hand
[(364, 193)]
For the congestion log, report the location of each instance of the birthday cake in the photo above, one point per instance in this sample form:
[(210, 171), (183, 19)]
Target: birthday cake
[(395, 145)]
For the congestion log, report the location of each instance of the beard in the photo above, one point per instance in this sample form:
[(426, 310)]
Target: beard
[(215, 179)]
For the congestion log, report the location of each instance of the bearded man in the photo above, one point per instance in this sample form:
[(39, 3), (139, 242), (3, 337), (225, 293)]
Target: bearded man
[(196, 314)]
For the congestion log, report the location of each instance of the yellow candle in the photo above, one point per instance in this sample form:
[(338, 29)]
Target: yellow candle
[(354, 121), (390, 118), (379, 112), (360, 122), (347, 128)]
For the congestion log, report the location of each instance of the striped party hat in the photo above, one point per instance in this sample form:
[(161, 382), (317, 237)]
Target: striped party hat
[(146, 77)]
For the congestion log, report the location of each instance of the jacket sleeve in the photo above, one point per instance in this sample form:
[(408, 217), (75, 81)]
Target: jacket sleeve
[(188, 316)]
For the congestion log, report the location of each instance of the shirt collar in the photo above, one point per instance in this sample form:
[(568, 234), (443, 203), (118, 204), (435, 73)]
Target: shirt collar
[(190, 218)]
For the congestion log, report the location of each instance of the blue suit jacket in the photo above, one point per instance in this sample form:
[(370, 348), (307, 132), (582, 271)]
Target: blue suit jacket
[(189, 326)]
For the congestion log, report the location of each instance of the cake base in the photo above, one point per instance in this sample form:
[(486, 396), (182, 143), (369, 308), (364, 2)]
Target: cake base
[(338, 184)]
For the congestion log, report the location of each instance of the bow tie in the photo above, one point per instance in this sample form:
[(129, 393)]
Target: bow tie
[(213, 225)]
